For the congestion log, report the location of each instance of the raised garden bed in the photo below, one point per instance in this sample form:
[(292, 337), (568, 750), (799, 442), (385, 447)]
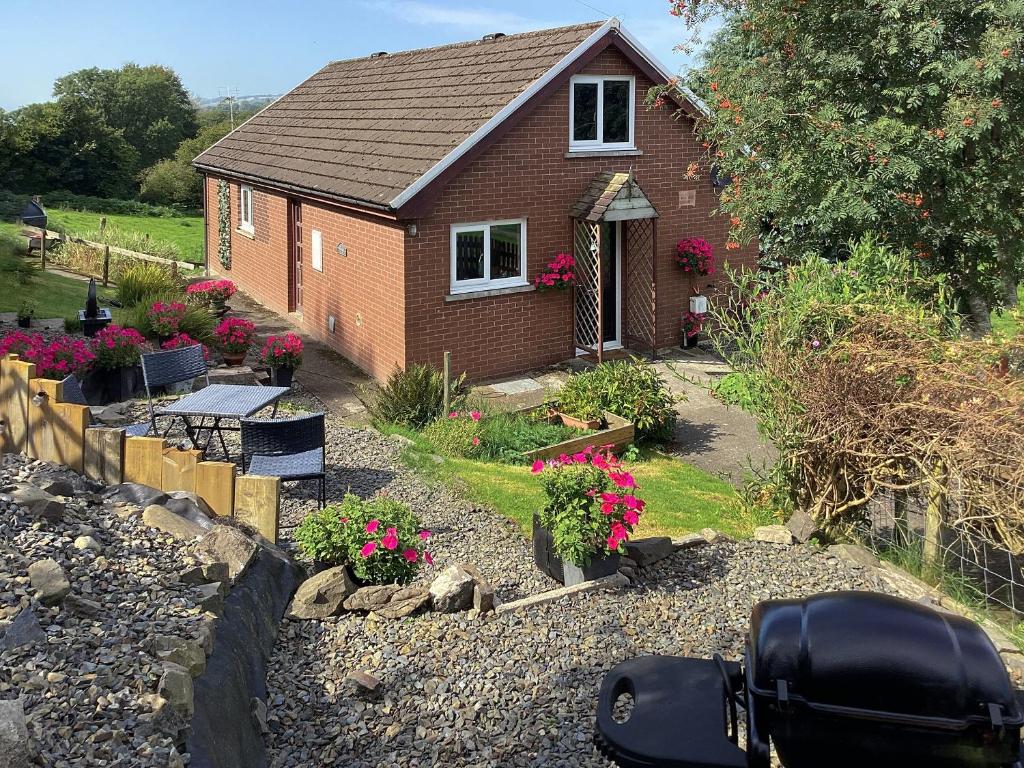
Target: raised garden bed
[(616, 432)]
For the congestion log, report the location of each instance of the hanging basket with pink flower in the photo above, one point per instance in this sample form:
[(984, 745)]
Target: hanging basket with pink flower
[(558, 275), (592, 507), (694, 257)]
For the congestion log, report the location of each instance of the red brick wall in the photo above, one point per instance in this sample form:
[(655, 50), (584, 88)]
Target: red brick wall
[(363, 289), (527, 175)]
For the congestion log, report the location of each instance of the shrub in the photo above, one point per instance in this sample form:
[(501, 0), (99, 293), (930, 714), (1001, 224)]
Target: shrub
[(117, 347), (165, 317), (736, 389), (455, 435), (195, 322), (503, 437), (235, 335), (380, 540), (282, 351), (632, 389), (13, 268), (592, 505), (414, 397), (143, 280)]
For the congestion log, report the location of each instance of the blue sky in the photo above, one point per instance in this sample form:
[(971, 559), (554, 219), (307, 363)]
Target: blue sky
[(268, 46)]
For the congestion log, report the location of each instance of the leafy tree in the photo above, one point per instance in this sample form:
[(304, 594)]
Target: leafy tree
[(174, 181), (898, 117), (149, 105)]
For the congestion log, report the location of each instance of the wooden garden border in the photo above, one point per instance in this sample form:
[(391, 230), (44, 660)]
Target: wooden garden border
[(618, 434), (35, 421)]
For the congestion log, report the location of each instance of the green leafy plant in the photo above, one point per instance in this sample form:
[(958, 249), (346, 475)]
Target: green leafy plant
[(144, 281), (224, 224), (632, 389), (321, 536), (414, 397), (196, 322), (455, 436), (592, 505), (27, 309), (737, 389), (501, 436)]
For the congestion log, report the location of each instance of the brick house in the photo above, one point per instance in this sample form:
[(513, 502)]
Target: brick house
[(400, 205)]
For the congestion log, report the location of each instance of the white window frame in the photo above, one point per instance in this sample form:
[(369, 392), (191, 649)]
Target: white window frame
[(246, 222), (599, 143), (485, 283)]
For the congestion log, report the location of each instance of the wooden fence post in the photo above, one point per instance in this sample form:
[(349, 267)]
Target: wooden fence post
[(42, 249), (179, 469), (103, 225), (258, 503), (15, 376), (144, 460), (106, 265), (447, 382), (215, 484), (931, 558), (104, 455)]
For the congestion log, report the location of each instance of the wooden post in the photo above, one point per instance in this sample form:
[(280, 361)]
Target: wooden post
[(215, 484), (931, 559), (15, 376), (179, 469), (104, 455), (144, 460), (43, 443), (447, 382), (258, 503), (103, 225), (42, 249), (106, 265)]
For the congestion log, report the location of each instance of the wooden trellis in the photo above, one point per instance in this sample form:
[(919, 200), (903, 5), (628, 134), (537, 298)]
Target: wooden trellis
[(641, 284)]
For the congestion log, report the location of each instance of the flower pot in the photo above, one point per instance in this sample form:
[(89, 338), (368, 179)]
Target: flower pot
[(689, 342), (24, 322), (571, 421), (219, 307), (548, 562), (233, 359), (113, 385), (282, 376)]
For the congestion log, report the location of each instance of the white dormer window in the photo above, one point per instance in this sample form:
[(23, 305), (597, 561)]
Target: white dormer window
[(601, 112), (245, 219)]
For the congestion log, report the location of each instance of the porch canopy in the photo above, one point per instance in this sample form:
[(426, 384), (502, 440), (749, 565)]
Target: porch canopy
[(611, 198)]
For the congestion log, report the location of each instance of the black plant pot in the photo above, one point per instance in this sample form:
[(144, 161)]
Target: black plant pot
[(24, 322), (281, 377), (105, 386), (567, 573), (689, 342)]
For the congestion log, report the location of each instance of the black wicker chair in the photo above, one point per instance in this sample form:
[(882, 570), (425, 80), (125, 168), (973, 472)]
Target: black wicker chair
[(292, 449), (171, 367), (71, 388)]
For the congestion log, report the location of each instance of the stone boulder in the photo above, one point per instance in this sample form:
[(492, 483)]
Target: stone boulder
[(205, 574), (225, 544), (63, 481), (711, 536), (405, 602), (186, 653), (163, 519), (82, 607), (16, 749), (176, 686), (773, 534), (802, 526), (49, 581), (648, 551), (37, 503), (452, 591), (191, 507), (24, 630), (483, 590), (371, 598), (854, 553), (87, 543), (322, 595)]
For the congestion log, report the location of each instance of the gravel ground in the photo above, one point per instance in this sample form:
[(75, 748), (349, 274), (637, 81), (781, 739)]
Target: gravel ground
[(516, 689), (85, 686)]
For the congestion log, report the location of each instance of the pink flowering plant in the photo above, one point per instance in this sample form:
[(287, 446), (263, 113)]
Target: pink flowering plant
[(20, 343), (693, 322), (54, 359), (693, 255), (235, 335), (457, 435), (165, 317), (117, 347), (558, 275), (593, 504), (282, 351), (211, 292), (380, 539), (179, 340)]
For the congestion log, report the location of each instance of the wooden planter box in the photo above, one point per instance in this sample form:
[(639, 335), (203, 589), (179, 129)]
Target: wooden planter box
[(619, 433), (567, 573)]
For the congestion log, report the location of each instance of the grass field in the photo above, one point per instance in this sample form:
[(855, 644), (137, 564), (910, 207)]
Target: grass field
[(183, 232), (1005, 324), (55, 296), (680, 498)]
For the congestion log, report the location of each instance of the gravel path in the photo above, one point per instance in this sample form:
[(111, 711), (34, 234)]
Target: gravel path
[(86, 684), (517, 689)]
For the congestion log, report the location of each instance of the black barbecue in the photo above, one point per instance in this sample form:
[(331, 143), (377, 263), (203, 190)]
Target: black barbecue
[(838, 680)]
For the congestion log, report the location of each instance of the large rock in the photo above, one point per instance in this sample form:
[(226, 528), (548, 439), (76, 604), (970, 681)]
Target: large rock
[(371, 598), (83, 543), (452, 591), (322, 595), (773, 534), (24, 630), (711, 536), (854, 553), (37, 503), (211, 597), (205, 574), (62, 481), (650, 550), (49, 581), (82, 606), (15, 746), (802, 526), (163, 519), (483, 590), (176, 686), (163, 719), (405, 602), (225, 544), (186, 653), (192, 507)]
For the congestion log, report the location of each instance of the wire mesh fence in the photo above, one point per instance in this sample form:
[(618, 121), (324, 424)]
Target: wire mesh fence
[(972, 570)]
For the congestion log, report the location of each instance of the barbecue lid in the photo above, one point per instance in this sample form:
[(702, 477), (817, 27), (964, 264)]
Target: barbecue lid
[(877, 655), (33, 215)]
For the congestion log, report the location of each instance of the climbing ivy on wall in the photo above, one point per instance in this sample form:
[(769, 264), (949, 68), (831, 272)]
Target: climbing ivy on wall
[(224, 224)]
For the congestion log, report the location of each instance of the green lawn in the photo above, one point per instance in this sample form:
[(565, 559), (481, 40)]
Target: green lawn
[(184, 232), (55, 295), (1005, 324), (680, 498)]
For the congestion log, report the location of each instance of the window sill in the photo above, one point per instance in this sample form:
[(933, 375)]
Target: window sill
[(487, 293), (604, 153), (246, 233)]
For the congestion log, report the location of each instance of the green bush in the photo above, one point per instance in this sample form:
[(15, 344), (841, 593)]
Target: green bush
[(142, 280), (736, 389), (502, 437), (454, 437), (632, 389), (13, 268), (197, 322), (380, 540), (415, 397)]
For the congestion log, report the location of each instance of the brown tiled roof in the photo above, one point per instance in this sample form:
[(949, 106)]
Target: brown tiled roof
[(366, 129)]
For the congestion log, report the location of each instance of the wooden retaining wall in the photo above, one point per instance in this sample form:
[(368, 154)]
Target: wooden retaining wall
[(35, 421), (618, 434)]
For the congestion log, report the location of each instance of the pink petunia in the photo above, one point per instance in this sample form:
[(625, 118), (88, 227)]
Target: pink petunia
[(368, 549), (607, 508), (475, 415), (611, 497), (631, 501), (631, 517), (453, 415), (424, 535), (538, 467), (411, 555), (372, 526), (476, 440), (428, 558), (390, 541), (622, 479), (580, 458), (613, 543)]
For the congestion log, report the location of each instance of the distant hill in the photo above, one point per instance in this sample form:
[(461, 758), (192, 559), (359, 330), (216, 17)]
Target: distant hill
[(242, 103)]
